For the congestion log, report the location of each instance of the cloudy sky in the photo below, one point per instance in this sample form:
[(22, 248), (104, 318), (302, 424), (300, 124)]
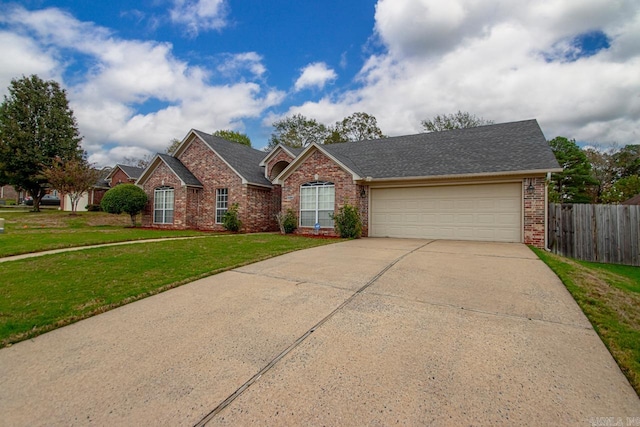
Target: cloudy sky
[(139, 74)]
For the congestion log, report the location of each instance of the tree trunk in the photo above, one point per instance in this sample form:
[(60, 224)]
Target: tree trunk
[(133, 220)]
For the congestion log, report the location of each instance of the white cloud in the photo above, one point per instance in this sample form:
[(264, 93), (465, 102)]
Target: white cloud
[(20, 55), (235, 63), (125, 75), (315, 75), (489, 58), (199, 15)]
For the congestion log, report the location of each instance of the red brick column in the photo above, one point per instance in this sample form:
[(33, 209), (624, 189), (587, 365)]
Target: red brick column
[(535, 207)]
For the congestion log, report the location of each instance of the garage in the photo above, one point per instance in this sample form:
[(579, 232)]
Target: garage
[(489, 212)]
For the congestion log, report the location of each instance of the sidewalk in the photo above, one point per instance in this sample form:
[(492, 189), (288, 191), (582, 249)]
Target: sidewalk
[(103, 245)]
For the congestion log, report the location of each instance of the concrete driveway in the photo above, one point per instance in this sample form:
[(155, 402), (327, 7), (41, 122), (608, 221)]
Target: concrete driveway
[(365, 332)]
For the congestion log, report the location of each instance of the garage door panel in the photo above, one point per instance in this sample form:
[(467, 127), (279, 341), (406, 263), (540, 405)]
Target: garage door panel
[(467, 212)]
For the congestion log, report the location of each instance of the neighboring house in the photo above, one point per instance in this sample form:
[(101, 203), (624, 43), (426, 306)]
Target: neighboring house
[(483, 183), (123, 174), (635, 200), (93, 196), (9, 192)]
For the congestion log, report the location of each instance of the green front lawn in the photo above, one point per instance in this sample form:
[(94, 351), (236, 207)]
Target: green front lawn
[(609, 295), (27, 232), (44, 293)]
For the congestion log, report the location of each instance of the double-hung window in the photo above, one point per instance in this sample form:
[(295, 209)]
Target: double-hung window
[(317, 204), (163, 205), (222, 203)]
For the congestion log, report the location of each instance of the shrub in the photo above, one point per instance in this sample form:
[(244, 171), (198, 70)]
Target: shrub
[(230, 220), (93, 208), (347, 222), (290, 221), (127, 198)]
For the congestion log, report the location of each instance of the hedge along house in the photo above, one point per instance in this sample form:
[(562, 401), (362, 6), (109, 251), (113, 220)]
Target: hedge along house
[(206, 175), (484, 183)]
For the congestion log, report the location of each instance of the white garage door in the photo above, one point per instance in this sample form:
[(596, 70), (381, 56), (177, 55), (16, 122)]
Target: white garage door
[(489, 212)]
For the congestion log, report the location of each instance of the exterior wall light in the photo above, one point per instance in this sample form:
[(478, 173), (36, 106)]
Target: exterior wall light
[(531, 188), (363, 193)]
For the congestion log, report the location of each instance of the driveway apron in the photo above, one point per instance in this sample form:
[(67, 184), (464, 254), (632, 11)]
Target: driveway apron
[(364, 332)]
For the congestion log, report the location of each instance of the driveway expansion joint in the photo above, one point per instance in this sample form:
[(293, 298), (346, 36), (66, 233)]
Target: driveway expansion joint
[(204, 421)]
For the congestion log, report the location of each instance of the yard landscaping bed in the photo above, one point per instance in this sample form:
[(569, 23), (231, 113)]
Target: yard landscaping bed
[(609, 295), (44, 293)]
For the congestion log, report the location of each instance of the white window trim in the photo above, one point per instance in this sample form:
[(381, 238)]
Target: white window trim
[(316, 185), (218, 219), (163, 209)]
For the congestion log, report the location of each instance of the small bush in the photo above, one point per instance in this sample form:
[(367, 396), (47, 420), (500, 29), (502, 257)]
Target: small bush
[(347, 222), (230, 220), (290, 221), (93, 208), (127, 198)]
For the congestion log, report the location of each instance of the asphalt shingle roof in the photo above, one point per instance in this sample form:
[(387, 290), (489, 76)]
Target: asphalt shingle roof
[(245, 160), (507, 147), (180, 170), (131, 171)]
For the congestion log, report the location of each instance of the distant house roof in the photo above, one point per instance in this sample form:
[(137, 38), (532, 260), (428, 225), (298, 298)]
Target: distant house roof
[(132, 172), (635, 200), (492, 149), (175, 165), (244, 160)]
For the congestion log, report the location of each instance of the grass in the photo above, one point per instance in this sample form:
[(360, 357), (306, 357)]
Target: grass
[(43, 293), (27, 232), (609, 295)]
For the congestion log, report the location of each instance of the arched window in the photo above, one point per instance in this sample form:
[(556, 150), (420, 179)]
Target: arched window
[(163, 205), (316, 204)]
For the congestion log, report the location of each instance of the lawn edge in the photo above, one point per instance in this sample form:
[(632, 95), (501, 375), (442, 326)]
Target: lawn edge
[(570, 286), (36, 331)]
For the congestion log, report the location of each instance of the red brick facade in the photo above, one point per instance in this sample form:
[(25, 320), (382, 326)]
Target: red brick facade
[(319, 167), (196, 207), (275, 164), (535, 205), (119, 177)]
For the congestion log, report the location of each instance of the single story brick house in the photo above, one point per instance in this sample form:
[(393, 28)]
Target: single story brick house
[(484, 183), (123, 174)]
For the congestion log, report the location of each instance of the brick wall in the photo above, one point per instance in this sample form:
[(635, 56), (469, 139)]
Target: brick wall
[(282, 156), (119, 177), (163, 176), (534, 212), (196, 207), (213, 173), (346, 191)]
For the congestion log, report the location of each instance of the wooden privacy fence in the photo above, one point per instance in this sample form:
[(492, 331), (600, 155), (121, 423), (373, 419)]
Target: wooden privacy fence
[(599, 233)]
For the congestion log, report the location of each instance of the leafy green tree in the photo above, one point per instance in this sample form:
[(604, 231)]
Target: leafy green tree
[(623, 189), (235, 136), (128, 198), (356, 127), (459, 120), (36, 126), (72, 178), (574, 183), (297, 131), (627, 161)]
